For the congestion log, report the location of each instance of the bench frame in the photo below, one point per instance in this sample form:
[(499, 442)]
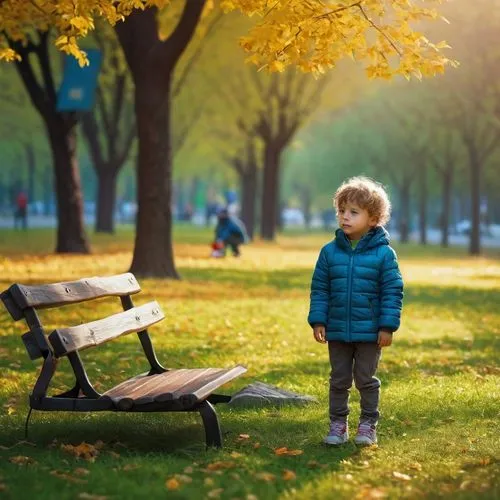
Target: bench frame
[(22, 301)]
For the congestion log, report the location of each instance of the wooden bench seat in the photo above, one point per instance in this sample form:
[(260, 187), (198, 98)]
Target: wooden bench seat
[(160, 389)]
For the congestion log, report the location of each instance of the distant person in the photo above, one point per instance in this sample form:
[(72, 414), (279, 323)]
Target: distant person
[(229, 232), (21, 211), (356, 301)]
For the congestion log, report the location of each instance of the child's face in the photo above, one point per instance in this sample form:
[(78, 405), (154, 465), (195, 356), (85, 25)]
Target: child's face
[(355, 221)]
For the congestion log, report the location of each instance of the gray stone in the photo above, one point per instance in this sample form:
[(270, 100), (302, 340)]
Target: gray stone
[(259, 394)]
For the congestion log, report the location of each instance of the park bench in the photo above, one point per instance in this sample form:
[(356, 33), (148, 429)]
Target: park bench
[(159, 389)]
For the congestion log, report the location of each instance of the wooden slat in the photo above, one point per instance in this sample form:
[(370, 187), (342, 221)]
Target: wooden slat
[(57, 294), (228, 375), (77, 338), (191, 385)]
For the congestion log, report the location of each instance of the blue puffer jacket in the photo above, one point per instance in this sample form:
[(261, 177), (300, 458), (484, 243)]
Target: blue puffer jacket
[(229, 226), (355, 293)]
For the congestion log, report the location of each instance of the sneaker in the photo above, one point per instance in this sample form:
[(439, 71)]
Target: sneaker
[(367, 434), (338, 434)]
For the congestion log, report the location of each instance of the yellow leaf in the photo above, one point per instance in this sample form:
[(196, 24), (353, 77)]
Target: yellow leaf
[(265, 476), (400, 475), (172, 484), (22, 460), (288, 475)]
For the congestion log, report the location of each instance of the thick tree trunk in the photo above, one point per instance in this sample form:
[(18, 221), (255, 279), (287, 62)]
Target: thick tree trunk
[(106, 199), (404, 217), (270, 191), (71, 237), (475, 197), (153, 252), (423, 205), (446, 207), (152, 63), (248, 199)]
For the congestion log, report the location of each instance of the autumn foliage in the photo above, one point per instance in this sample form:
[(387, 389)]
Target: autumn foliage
[(313, 35)]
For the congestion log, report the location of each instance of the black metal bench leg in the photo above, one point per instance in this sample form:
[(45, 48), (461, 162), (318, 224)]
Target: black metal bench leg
[(26, 424), (213, 434)]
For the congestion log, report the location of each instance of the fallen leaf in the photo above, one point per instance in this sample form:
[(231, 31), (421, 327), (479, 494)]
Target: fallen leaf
[(172, 484), (243, 437), (265, 476), (83, 450), (369, 493), (221, 465), (208, 481), (67, 477), (88, 496), (465, 484), (256, 445), (188, 469), (22, 460), (235, 454), (114, 454), (288, 475), (183, 478), (285, 451), (399, 475), (215, 493), (281, 451), (80, 471)]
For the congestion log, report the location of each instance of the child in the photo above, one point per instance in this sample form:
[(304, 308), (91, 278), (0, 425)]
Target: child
[(356, 300), (229, 231)]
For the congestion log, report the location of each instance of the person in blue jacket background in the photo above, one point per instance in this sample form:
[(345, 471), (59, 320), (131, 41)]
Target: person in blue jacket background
[(356, 302), (229, 231)]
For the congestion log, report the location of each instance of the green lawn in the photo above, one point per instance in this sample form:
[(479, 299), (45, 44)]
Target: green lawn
[(439, 435)]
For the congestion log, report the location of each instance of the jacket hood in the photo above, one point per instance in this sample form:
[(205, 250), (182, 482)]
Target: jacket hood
[(373, 238)]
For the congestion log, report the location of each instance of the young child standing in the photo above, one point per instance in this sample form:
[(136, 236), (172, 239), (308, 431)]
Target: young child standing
[(356, 301)]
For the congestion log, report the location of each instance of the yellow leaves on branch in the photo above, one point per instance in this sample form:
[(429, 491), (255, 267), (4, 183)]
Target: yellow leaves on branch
[(71, 20), (315, 34), (312, 35)]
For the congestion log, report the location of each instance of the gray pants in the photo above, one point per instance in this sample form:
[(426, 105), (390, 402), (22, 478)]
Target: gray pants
[(361, 360)]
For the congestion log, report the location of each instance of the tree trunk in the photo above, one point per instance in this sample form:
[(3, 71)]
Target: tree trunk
[(270, 192), (423, 205), (153, 252), (475, 197), (404, 218), (71, 237), (152, 63), (30, 158), (305, 195), (61, 131), (106, 199), (248, 198), (48, 189), (446, 203)]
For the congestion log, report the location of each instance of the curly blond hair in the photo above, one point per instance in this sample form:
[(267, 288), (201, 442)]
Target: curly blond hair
[(367, 194)]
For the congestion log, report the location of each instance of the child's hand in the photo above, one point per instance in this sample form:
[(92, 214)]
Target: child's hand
[(384, 338), (319, 334)]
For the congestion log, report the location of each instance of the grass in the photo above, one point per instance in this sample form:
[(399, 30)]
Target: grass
[(439, 435)]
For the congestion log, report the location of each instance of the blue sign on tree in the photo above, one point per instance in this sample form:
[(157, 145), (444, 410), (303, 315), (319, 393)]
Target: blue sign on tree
[(77, 89)]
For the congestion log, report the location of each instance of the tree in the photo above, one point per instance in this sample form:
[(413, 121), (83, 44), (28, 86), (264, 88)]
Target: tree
[(110, 122), (61, 131)]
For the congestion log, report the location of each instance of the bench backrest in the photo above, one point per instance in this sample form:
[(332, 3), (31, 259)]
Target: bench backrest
[(22, 301), (18, 297)]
